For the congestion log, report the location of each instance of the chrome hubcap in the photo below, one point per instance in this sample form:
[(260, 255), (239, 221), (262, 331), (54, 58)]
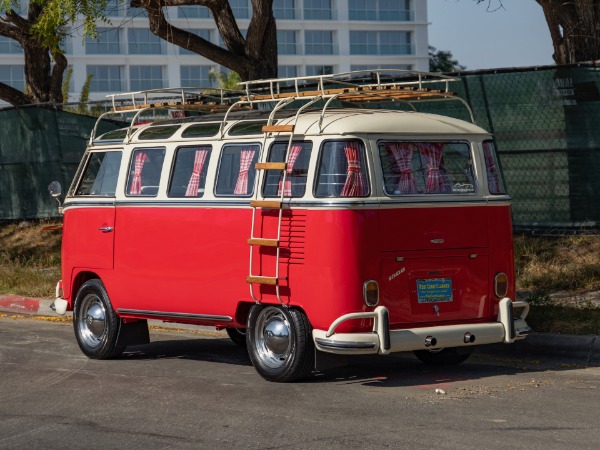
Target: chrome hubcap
[(273, 337), (92, 320)]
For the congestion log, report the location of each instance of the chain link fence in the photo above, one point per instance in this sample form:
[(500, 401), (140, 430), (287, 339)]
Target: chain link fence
[(545, 122)]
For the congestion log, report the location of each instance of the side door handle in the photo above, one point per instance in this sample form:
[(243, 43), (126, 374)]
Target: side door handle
[(106, 229)]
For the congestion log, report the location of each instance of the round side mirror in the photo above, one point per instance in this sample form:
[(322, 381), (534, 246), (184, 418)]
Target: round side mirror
[(55, 189)]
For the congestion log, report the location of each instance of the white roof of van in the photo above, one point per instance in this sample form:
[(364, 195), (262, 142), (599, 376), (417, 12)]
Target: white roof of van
[(378, 121)]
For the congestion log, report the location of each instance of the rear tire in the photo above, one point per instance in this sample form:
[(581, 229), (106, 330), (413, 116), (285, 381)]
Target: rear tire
[(444, 356), (279, 343), (95, 322), (237, 336)]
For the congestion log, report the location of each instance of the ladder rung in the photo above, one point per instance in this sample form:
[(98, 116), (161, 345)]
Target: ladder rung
[(277, 128), (263, 242), (270, 166), (274, 204), (272, 281)]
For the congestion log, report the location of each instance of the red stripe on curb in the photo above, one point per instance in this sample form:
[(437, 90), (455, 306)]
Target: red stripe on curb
[(19, 304)]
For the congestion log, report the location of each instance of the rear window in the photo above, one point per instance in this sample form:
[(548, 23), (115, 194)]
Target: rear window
[(492, 170), (100, 174), (426, 167)]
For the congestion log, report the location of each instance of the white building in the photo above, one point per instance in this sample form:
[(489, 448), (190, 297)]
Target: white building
[(314, 36)]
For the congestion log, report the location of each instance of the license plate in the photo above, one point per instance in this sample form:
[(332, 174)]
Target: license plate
[(434, 290)]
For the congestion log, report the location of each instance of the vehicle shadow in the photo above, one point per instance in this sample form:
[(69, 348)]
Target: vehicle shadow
[(220, 350), (398, 370)]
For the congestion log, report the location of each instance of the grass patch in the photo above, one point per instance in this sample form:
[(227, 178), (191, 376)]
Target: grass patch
[(29, 259), (549, 264), (549, 315)]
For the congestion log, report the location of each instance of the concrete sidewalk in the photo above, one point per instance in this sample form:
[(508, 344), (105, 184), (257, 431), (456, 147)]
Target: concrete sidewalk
[(573, 348)]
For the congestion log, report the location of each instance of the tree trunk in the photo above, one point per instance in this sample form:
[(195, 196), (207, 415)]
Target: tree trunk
[(574, 29), (43, 81), (252, 58)]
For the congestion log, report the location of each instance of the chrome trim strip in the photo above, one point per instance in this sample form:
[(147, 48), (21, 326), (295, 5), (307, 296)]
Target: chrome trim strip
[(293, 204), (174, 315), (343, 345)]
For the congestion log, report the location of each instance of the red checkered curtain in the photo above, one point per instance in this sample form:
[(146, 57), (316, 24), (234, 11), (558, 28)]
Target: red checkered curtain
[(292, 157), (491, 169), (194, 183), (437, 180), (136, 183), (241, 187), (355, 185), (403, 154)]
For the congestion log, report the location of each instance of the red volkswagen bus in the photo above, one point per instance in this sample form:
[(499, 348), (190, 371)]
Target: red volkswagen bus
[(306, 227)]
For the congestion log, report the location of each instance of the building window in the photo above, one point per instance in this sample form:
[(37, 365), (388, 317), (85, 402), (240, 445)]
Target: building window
[(318, 9), (381, 43), (286, 42), (10, 46), (107, 43), (240, 9), (383, 10), (14, 76), (381, 66), (284, 9), (203, 33), (287, 71), (192, 76), (145, 77), (319, 42), (114, 8), (105, 78), (193, 12), (319, 70), (143, 42), (136, 12)]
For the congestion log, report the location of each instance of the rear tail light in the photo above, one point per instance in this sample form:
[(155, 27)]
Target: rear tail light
[(371, 293), (501, 285)]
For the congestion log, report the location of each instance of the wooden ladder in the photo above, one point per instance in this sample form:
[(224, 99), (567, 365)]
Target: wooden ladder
[(255, 241), (261, 204)]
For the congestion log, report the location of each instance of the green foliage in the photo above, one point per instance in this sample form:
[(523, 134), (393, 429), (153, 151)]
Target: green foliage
[(225, 80), (442, 61), (85, 95), (65, 84)]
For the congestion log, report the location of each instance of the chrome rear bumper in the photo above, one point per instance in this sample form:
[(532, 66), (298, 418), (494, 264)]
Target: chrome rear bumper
[(382, 340)]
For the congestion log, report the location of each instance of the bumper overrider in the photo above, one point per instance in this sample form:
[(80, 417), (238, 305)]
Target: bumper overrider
[(381, 340)]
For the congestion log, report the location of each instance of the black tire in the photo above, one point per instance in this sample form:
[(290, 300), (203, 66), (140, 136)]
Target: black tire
[(279, 343), (444, 356), (237, 336), (95, 322)]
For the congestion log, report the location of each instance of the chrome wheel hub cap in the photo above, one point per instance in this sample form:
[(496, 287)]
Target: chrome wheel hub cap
[(273, 337), (91, 322)]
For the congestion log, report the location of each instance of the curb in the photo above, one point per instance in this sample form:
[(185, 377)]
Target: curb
[(575, 348)]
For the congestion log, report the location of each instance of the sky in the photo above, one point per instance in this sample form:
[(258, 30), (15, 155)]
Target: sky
[(516, 36)]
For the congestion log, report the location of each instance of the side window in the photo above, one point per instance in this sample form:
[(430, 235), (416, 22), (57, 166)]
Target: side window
[(426, 168), (495, 183), (100, 175), (295, 174), (189, 172), (342, 170), (236, 170), (144, 172)]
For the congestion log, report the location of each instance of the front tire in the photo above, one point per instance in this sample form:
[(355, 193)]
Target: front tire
[(444, 356), (279, 343), (95, 322)]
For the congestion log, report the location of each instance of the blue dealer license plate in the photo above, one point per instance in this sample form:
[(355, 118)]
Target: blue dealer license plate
[(434, 290)]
